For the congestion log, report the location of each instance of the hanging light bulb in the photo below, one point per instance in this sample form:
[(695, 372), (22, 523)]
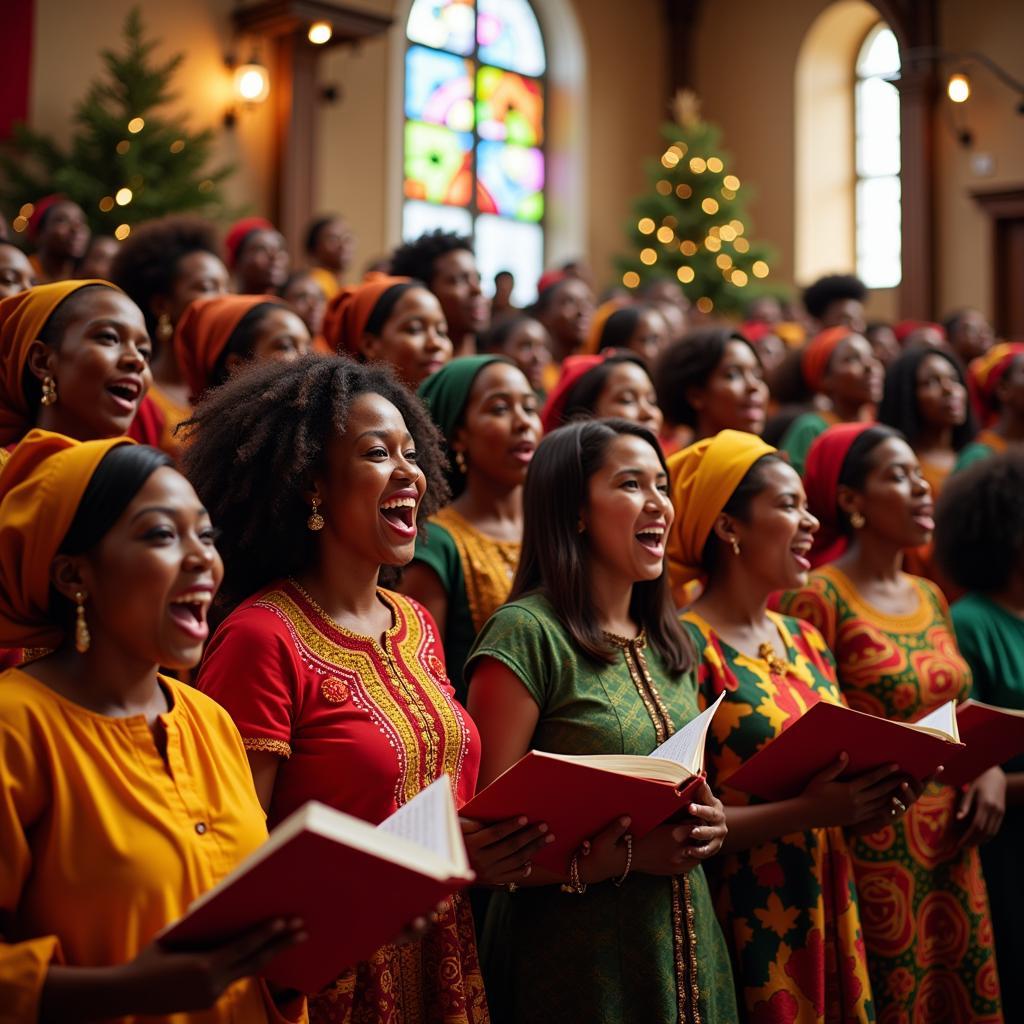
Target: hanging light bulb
[(959, 87), (252, 82), (320, 32)]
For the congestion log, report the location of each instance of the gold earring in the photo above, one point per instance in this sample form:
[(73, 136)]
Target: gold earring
[(735, 545), (315, 521), (49, 391), (82, 638), (164, 328), (460, 461), (856, 520)]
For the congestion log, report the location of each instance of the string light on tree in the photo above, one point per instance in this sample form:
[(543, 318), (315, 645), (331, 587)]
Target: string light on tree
[(106, 204), (122, 231), (760, 268), (136, 124), (697, 219), (123, 196)]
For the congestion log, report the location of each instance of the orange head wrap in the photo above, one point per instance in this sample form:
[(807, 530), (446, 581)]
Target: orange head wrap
[(985, 373), (204, 330), (602, 315), (350, 309), (22, 319), (816, 355), (41, 487), (702, 479)]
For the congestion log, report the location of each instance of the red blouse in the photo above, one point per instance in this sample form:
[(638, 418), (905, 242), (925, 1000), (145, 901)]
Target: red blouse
[(359, 726)]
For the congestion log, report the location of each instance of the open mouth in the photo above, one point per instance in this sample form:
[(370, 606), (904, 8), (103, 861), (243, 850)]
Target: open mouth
[(524, 451), (125, 393), (188, 613), (400, 515), (924, 517), (652, 538), (800, 554)]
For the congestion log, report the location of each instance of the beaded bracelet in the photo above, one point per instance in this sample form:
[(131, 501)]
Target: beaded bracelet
[(575, 884), (628, 840)]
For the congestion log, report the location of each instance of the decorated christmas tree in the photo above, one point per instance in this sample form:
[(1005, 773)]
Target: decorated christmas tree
[(129, 160), (694, 228)]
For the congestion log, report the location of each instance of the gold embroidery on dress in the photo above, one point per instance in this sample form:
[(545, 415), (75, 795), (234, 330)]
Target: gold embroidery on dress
[(265, 743), (416, 715), (684, 933), (488, 565)]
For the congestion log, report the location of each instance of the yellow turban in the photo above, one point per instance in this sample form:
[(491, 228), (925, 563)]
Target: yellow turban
[(41, 487), (22, 317), (702, 479)]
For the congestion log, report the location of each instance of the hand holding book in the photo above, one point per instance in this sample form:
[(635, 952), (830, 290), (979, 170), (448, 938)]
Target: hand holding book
[(501, 853)]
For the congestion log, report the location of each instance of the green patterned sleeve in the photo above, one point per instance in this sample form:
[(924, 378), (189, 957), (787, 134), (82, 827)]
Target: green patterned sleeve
[(525, 643), (797, 440)]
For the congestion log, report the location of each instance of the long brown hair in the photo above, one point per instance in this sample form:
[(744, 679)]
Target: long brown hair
[(554, 558)]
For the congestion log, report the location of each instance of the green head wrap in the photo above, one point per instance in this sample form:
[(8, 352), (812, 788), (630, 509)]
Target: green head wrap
[(445, 395)]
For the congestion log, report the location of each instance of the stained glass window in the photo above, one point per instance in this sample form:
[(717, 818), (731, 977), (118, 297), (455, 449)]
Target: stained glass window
[(877, 125), (474, 131)]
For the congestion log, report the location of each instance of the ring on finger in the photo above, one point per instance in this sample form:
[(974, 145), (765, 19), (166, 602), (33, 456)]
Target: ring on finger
[(900, 805)]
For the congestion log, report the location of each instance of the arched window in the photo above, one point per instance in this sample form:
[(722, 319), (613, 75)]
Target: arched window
[(474, 131), (877, 127)]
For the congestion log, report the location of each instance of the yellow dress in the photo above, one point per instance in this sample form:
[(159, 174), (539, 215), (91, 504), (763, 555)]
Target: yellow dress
[(105, 840)]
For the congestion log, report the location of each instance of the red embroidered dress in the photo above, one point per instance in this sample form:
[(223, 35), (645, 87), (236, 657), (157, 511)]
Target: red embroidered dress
[(362, 727), (923, 902)]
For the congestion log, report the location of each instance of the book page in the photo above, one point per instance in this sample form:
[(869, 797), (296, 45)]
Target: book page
[(686, 747), (942, 719), (425, 819)]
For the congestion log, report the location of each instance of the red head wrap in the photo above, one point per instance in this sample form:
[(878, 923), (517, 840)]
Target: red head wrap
[(821, 482), (985, 373), (573, 368), (41, 206), (238, 233)]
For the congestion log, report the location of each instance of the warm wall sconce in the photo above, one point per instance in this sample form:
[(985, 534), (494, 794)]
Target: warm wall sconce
[(252, 82), (320, 32), (958, 88)]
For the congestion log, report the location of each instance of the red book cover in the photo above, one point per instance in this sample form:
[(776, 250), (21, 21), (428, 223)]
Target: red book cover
[(355, 886), (993, 736), (782, 767), (577, 801)]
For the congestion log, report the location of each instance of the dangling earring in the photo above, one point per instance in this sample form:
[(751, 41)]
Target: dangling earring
[(856, 520), (49, 396), (82, 638), (735, 545), (164, 328), (460, 461), (315, 521)]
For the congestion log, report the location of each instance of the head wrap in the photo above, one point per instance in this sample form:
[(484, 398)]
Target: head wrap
[(573, 367), (822, 469), (445, 395), (985, 373), (702, 479), (549, 279), (602, 315), (755, 330), (204, 330), (905, 328), (350, 310), (238, 233), (816, 354), (41, 487), (22, 319), (40, 208)]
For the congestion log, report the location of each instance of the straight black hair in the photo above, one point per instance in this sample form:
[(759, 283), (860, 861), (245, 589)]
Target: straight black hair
[(584, 394), (554, 557)]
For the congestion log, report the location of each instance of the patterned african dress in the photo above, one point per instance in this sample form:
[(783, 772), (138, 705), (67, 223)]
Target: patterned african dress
[(923, 903), (476, 572), (650, 951), (361, 725), (788, 907), (986, 443)]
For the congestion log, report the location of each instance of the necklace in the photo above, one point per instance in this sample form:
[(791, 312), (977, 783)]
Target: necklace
[(778, 667)]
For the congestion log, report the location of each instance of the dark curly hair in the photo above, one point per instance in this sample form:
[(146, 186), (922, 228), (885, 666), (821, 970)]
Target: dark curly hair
[(832, 288), (979, 523), (899, 406), (416, 259), (253, 446), (688, 363), (147, 263)]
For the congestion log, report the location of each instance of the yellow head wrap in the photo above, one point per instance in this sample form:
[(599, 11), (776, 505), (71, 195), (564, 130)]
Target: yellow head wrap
[(702, 479), (41, 487)]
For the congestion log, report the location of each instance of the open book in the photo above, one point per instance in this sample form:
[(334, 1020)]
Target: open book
[(784, 765), (993, 736), (579, 794), (354, 885)]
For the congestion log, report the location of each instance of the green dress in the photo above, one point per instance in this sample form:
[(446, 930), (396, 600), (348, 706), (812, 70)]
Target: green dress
[(923, 901), (992, 641), (614, 954), (986, 444), (797, 440), (788, 906)]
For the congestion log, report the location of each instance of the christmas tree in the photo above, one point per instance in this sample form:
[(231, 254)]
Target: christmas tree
[(127, 162), (694, 227)]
